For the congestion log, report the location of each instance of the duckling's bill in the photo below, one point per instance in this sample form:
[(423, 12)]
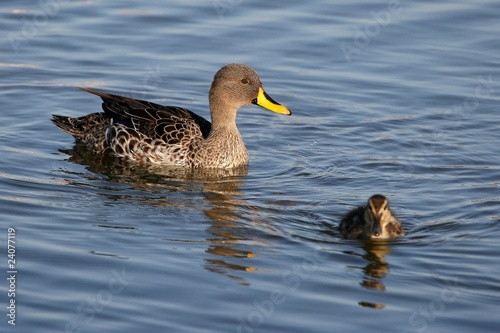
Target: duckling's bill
[(264, 100), (376, 227)]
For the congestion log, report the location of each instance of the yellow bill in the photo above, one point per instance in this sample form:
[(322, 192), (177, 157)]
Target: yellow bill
[(264, 100)]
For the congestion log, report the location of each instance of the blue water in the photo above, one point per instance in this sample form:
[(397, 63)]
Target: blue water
[(399, 98)]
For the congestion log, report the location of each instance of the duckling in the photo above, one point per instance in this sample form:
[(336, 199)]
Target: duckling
[(375, 220)]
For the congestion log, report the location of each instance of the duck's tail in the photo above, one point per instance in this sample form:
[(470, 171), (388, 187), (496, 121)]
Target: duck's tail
[(71, 125), (89, 129)]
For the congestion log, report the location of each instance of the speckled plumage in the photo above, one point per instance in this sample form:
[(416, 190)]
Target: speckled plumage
[(359, 222), (146, 132)]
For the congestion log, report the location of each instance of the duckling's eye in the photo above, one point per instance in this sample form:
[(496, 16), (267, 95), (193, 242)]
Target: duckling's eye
[(244, 81)]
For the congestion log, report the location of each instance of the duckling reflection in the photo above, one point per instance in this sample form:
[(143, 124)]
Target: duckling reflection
[(375, 220), (377, 267)]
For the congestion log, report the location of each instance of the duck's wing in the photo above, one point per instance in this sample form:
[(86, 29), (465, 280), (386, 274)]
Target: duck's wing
[(352, 224), (169, 123)]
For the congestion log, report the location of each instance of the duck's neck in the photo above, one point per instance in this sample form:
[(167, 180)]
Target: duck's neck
[(224, 121), (222, 114), (224, 146)]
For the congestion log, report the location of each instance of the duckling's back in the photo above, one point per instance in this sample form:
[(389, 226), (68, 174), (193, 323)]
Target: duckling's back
[(353, 223)]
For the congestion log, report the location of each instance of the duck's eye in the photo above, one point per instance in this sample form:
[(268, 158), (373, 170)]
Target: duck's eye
[(244, 81)]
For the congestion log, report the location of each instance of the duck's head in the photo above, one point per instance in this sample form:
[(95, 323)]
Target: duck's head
[(377, 214), (236, 85)]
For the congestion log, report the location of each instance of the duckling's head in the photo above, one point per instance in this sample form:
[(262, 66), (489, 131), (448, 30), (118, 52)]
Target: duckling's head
[(377, 214)]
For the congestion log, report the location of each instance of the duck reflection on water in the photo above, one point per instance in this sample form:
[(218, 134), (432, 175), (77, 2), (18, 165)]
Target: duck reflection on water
[(216, 193)]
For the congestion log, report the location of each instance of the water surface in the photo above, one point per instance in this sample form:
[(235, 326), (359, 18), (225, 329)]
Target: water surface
[(399, 100)]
